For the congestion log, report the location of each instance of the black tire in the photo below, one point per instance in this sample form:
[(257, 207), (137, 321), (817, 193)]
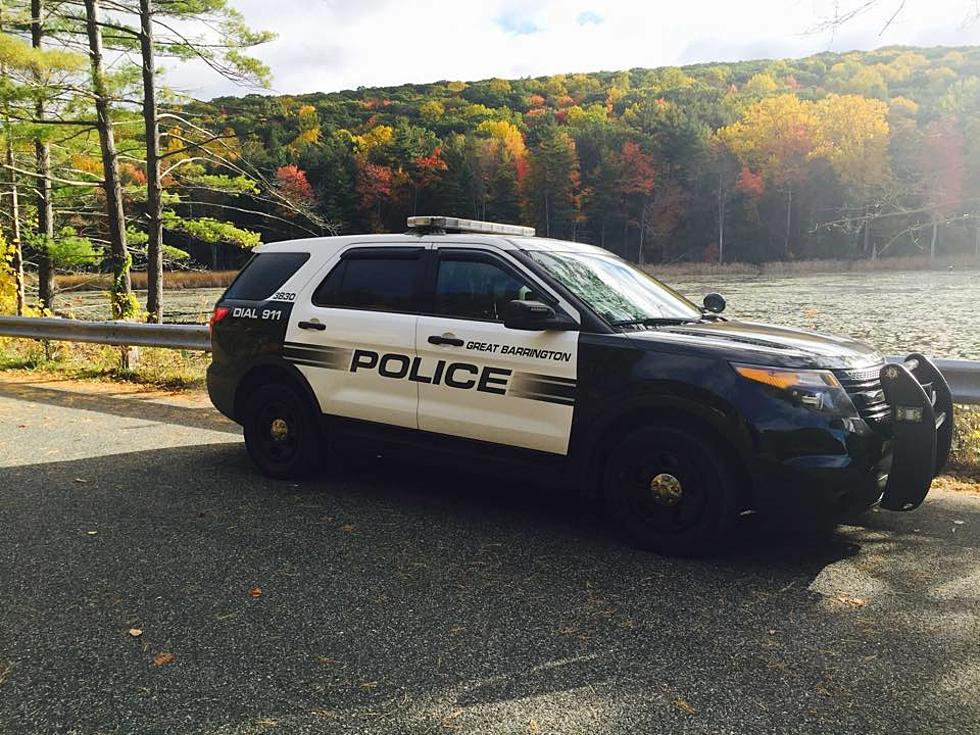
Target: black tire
[(282, 432), (671, 491)]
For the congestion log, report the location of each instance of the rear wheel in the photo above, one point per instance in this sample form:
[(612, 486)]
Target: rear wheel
[(282, 434), (670, 490)]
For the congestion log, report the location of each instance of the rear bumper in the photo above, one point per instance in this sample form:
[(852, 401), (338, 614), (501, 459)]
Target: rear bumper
[(221, 386)]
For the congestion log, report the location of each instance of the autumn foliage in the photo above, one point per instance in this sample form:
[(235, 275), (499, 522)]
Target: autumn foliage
[(292, 182), (835, 155)]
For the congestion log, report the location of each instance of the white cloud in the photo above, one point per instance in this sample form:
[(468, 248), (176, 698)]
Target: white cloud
[(328, 45)]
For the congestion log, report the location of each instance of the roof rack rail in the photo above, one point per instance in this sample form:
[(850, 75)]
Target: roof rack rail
[(430, 223)]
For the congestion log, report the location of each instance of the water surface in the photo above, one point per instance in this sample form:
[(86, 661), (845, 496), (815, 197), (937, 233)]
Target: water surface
[(934, 312)]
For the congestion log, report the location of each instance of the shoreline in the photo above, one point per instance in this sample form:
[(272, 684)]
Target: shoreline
[(178, 280)]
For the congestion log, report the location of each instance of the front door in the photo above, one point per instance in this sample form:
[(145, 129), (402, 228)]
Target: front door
[(483, 380), (353, 335)]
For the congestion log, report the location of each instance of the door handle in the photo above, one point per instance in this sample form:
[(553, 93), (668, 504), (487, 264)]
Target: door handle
[(435, 339), (319, 326)]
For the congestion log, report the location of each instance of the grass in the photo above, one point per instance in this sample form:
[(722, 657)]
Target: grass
[(171, 280), (964, 460), (806, 267), (159, 368)]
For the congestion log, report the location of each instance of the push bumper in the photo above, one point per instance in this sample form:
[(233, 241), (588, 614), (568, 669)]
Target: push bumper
[(921, 427)]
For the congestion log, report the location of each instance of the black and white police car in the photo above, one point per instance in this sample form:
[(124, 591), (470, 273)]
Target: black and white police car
[(476, 341)]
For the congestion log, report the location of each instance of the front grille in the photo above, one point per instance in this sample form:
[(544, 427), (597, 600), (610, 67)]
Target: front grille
[(864, 388)]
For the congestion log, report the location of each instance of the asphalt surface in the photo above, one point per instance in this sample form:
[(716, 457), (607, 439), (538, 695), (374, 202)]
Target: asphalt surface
[(400, 600)]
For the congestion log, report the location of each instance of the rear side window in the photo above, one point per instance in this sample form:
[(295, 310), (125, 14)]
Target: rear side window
[(380, 282), (264, 274)]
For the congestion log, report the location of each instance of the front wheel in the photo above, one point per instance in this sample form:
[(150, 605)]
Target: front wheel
[(670, 490), (282, 434)]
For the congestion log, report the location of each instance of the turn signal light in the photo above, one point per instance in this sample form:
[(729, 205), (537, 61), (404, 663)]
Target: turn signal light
[(782, 378)]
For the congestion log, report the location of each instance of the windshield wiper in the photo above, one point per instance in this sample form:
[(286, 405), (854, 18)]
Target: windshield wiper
[(654, 321)]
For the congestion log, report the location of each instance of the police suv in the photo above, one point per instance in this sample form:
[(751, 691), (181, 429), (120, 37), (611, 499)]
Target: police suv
[(476, 341)]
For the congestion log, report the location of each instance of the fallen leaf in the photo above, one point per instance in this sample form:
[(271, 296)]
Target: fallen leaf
[(135, 632), (684, 706), (533, 727), (347, 528), (326, 660), (851, 601), (162, 659), (80, 480), (266, 723), (325, 713), (369, 685), (959, 523), (92, 533), (455, 714), (255, 591)]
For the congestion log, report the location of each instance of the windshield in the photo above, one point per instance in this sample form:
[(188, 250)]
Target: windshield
[(617, 291)]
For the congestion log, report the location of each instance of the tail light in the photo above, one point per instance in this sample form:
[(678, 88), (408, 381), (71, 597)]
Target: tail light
[(220, 312)]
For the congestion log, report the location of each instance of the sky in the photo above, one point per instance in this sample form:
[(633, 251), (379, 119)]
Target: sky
[(332, 45)]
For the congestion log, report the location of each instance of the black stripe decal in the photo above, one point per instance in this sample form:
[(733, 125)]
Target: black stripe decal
[(549, 378), (325, 356), (316, 364), (542, 397), (547, 388), (312, 348)]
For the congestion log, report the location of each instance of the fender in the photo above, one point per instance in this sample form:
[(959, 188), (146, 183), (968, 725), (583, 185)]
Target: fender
[(593, 434), (267, 367)]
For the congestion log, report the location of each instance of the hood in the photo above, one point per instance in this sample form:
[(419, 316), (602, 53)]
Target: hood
[(764, 344)]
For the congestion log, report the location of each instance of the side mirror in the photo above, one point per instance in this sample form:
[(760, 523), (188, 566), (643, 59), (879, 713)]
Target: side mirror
[(714, 302), (535, 316)]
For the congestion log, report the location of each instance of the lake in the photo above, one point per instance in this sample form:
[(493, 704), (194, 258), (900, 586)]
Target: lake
[(897, 312)]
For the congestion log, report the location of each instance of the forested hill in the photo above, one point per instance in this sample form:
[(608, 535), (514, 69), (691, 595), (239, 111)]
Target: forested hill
[(833, 155)]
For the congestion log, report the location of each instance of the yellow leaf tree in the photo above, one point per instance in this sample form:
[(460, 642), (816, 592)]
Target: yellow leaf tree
[(776, 137), (854, 140)]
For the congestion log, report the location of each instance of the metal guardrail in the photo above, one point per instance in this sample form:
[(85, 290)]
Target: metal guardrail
[(129, 334), (963, 375)]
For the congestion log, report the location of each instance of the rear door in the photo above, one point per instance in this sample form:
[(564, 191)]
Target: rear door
[(353, 334), (483, 380)]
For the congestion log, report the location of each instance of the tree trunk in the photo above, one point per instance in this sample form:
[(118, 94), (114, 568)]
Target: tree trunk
[(789, 213), (626, 240), (867, 235), (547, 216), (721, 224), (18, 257), (643, 222), (154, 189), (119, 254), (45, 206), (932, 242)]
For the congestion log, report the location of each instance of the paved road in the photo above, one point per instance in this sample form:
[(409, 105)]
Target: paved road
[(397, 601)]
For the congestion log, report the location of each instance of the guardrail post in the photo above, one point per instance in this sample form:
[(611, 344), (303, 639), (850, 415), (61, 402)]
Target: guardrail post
[(130, 357)]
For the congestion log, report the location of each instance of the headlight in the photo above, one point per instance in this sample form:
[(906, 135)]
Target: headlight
[(818, 390)]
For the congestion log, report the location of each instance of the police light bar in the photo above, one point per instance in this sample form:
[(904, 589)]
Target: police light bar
[(457, 224)]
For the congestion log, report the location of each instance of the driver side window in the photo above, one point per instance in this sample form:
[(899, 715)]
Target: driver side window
[(470, 287)]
